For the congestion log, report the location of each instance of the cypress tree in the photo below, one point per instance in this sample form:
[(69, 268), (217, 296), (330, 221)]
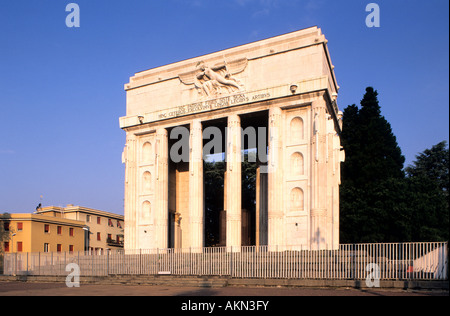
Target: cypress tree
[(373, 164), (371, 147)]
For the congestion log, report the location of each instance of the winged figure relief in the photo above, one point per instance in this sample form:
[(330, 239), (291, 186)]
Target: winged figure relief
[(216, 80)]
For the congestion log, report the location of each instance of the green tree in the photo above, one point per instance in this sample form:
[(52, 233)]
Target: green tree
[(5, 235), (428, 179), (433, 164), (372, 152), (381, 202), (371, 174)]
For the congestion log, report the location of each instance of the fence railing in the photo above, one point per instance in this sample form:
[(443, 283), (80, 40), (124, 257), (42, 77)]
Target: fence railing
[(391, 261)]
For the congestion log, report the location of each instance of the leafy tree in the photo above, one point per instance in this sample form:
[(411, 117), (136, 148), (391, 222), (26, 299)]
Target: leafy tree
[(381, 202), (372, 152), (433, 164), (370, 175), (428, 177), (5, 235)]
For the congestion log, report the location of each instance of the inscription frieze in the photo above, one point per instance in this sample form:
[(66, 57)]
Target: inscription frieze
[(213, 104)]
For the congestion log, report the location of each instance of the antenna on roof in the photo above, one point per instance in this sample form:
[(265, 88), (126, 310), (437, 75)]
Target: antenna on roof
[(39, 207)]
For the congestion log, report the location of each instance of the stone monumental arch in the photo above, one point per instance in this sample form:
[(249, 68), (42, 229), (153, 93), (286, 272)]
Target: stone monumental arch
[(282, 87)]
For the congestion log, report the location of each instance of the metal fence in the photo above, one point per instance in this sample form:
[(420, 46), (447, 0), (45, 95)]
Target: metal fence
[(391, 261)]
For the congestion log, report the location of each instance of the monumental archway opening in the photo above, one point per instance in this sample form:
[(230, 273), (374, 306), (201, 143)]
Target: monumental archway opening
[(214, 167), (178, 169), (254, 178), (253, 184)]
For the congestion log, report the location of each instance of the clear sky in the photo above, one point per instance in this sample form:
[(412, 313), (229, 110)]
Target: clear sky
[(62, 89)]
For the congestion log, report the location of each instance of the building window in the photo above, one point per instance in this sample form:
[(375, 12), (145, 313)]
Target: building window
[(99, 220), (6, 226), (58, 247), (19, 226), (88, 218), (19, 246), (71, 248), (46, 228), (59, 230), (46, 247), (98, 236), (71, 232), (110, 223), (118, 224), (6, 246)]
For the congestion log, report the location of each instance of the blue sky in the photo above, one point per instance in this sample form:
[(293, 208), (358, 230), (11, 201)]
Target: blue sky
[(61, 89)]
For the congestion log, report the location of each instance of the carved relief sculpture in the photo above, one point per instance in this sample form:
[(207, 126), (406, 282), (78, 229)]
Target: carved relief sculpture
[(216, 80)]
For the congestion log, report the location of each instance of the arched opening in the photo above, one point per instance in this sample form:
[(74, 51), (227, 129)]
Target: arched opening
[(297, 134), (147, 182), (297, 163), (147, 152), (296, 199)]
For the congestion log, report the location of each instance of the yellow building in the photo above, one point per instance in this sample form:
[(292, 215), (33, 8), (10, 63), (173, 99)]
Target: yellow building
[(105, 229), (40, 233)]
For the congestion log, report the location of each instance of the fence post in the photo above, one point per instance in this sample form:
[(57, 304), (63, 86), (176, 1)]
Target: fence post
[(231, 261), (107, 263), (353, 254), (190, 260), (157, 262)]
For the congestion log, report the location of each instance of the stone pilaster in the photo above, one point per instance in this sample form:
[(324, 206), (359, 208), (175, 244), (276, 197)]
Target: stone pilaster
[(233, 182), (129, 158), (196, 213), (162, 189), (275, 180), (319, 192)]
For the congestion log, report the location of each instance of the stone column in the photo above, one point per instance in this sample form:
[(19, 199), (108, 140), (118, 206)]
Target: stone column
[(196, 186), (233, 183), (275, 181), (129, 158), (319, 176), (261, 206), (162, 189)]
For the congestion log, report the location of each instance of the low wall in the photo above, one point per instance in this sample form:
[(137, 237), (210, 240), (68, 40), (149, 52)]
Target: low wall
[(223, 281)]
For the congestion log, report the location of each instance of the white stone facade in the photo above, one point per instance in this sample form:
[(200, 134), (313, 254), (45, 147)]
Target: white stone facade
[(289, 81)]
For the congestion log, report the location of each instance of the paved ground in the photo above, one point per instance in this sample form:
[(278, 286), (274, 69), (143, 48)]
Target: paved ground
[(60, 289)]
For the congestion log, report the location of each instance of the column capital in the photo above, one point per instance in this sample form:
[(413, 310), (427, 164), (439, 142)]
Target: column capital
[(234, 120)]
